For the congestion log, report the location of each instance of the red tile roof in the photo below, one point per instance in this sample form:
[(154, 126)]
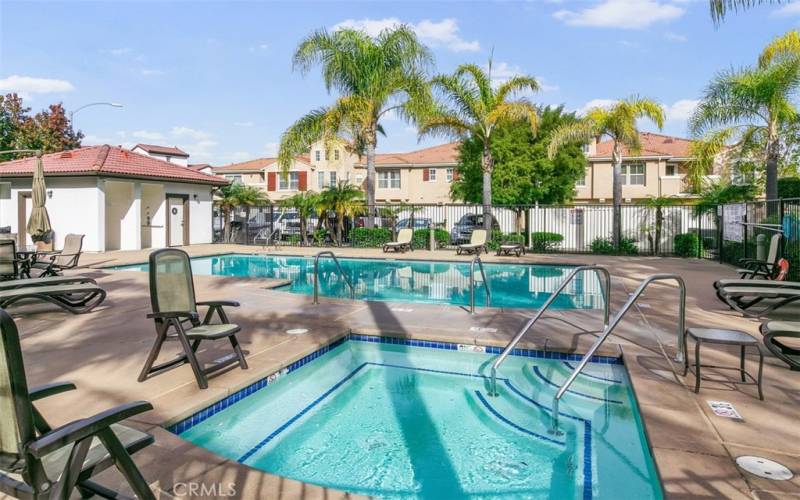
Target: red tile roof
[(256, 165), (441, 154), (111, 161), (162, 150), (652, 145)]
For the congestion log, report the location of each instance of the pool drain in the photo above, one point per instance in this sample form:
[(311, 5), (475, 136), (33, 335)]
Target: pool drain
[(297, 331), (764, 467)]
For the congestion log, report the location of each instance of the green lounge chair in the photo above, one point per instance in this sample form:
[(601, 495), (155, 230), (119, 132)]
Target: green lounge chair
[(778, 280), (753, 268), (39, 462), (77, 298), (477, 242), (175, 314), (774, 330), (403, 242), (744, 298), (49, 281), (61, 261), (9, 263)]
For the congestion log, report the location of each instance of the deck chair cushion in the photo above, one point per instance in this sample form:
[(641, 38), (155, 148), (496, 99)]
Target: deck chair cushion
[(212, 331)]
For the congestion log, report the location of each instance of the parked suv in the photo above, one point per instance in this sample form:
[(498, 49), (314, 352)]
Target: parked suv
[(419, 223), (462, 231)]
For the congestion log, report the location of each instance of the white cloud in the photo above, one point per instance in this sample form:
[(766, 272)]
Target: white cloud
[(28, 85), (790, 9), (623, 14), (442, 33), (147, 135), (596, 103), (151, 72), (271, 148), (680, 110), (182, 132), (675, 37)]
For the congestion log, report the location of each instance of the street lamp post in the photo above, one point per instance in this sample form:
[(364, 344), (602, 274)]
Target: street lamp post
[(72, 113)]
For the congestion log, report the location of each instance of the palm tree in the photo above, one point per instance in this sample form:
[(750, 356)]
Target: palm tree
[(306, 204), (750, 106), (720, 8), (658, 203), (618, 123), (344, 200), (472, 107), (238, 195), (374, 77)]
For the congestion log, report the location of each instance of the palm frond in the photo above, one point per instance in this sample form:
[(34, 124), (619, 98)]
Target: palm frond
[(721, 8), (515, 111), (445, 125), (481, 80), (781, 47), (579, 132), (297, 139), (516, 84)]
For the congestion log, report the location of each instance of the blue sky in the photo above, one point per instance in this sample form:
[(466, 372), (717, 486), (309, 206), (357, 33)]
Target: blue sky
[(216, 78)]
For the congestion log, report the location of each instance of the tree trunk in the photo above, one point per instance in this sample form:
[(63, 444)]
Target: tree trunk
[(226, 214), (773, 153), (339, 224), (487, 165), (370, 181), (616, 225), (303, 232), (659, 226)]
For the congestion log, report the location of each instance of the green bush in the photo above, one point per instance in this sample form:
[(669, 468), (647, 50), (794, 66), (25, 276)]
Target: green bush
[(319, 236), (365, 237), (420, 238), (686, 245), (789, 187), (542, 241), (603, 246), (293, 239)]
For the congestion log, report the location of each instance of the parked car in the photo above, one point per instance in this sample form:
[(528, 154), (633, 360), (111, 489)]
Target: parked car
[(379, 221), (419, 223), (462, 231)]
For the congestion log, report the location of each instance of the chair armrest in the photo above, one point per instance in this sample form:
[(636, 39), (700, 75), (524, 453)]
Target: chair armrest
[(174, 315), (47, 390), (226, 303), (86, 427)]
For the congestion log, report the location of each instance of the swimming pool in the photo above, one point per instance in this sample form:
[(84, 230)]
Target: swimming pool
[(398, 418), (512, 285)]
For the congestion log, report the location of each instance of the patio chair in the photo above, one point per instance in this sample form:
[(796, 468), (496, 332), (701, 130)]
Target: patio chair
[(507, 247), (9, 263), (59, 262), (403, 242), (477, 241), (49, 281), (774, 330), (39, 462), (744, 298), (77, 298), (778, 280), (753, 268), (176, 318)]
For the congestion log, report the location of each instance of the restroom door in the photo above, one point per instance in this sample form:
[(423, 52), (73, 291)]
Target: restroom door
[(177, 220)]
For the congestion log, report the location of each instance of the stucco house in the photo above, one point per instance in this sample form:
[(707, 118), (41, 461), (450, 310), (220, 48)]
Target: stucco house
[(121, 200), (170, 154)]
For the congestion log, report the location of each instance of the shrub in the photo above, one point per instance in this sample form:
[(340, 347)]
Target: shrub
[(365, 237), (319, 236), (542, 241), (293, 239), (686, 245), (789, 187), (420, 238), (603, 246)]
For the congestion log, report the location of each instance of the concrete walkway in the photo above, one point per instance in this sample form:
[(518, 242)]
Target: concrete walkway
[(694, 450)]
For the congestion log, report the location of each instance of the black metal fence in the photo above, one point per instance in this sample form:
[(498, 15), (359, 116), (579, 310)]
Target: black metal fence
[(743, 224), (670, 230)]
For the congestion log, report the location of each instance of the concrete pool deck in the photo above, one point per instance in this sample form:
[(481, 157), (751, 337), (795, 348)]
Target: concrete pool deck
[(103, 351)]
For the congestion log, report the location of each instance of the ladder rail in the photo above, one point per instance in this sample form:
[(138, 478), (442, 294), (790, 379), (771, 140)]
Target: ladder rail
[(330, 254), (610, 328), (606, 290), (477, 259)]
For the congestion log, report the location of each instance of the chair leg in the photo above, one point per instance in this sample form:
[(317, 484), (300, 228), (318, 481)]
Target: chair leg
[(685, 355), (239, 354), (760, 372), (72, 469), (741, 364), (190, 350), (126, 465), (697, 366), (154, 351)]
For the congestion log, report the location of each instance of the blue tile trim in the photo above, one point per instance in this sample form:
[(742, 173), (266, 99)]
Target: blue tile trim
[(297, 416), (596, 377), (570, 391), (508, 422)]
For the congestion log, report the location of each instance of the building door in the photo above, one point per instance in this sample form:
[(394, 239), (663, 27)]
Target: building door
[(24, 208), (177, 225)]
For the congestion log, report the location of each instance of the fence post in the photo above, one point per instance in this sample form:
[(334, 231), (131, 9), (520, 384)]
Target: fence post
[(721, 232), (699, 238), (780, 222)]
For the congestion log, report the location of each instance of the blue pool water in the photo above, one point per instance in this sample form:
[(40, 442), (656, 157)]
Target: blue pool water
[(396, 421), (512, 285)]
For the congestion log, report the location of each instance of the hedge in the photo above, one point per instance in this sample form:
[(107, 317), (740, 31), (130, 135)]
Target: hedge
[(602, 246), (789, 187), (365, 237), (686, 245), (542, 241), (421, 236)]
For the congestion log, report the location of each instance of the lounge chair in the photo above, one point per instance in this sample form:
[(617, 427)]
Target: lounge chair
[(778, 280), (509, 247), (59, 262), (9, 263), (77, 298), (175, 314), (39, 462), (753, 268), (477, 242), (403, 242), (744, 298), (49, 281), (774, 330)]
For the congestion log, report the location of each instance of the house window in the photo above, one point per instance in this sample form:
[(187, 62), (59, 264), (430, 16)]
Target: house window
[(291, 182), (359, 179), (169, 159), (333, 178), (581, 181), (236, 179), (633, 174), (335, 154), (449, 175), (389, 179), (327, 155), (431, 175), (321, 180), (586, 148), (317, 155), (670, 170)]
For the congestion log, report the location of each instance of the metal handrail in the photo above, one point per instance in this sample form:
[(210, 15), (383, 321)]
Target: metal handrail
[(610, 328), (472, 284), (341, 271), (521, 333)]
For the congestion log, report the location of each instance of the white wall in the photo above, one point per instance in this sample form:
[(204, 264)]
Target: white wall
[(199, 210), (154, 206)]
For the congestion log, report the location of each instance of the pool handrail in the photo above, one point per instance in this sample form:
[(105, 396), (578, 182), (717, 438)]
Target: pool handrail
[(529, 324), (610, 328), (477, 259), (341, 271)]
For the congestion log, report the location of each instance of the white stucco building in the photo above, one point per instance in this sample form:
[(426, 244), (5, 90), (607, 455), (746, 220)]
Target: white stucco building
[(119, 199), (170, 154)]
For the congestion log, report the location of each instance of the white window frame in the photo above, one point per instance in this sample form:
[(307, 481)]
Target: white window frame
[(431, 175), (317, 155), (289, 183), (449, 174), (332, 178), (627, 176), (359, 179), (581, 181), (389, 179), (336, 154), (235, 178), (674, 170), (320, 180)]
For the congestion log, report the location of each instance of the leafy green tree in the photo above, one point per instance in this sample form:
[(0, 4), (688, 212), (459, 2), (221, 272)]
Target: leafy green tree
[(48, 130), (374, 78), (344, 200), (751, 106), (234, 195), (472, 108), (617, 122), (720, 193), (306, 203)]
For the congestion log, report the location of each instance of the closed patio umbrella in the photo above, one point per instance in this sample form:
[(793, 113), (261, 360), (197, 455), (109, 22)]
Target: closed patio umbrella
[(39, 221)]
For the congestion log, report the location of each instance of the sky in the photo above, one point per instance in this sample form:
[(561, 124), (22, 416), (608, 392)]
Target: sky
[(216, 78)]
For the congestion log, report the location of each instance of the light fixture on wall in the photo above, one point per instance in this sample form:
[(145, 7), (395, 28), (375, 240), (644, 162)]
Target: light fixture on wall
[(50, 193), (194, 196)]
